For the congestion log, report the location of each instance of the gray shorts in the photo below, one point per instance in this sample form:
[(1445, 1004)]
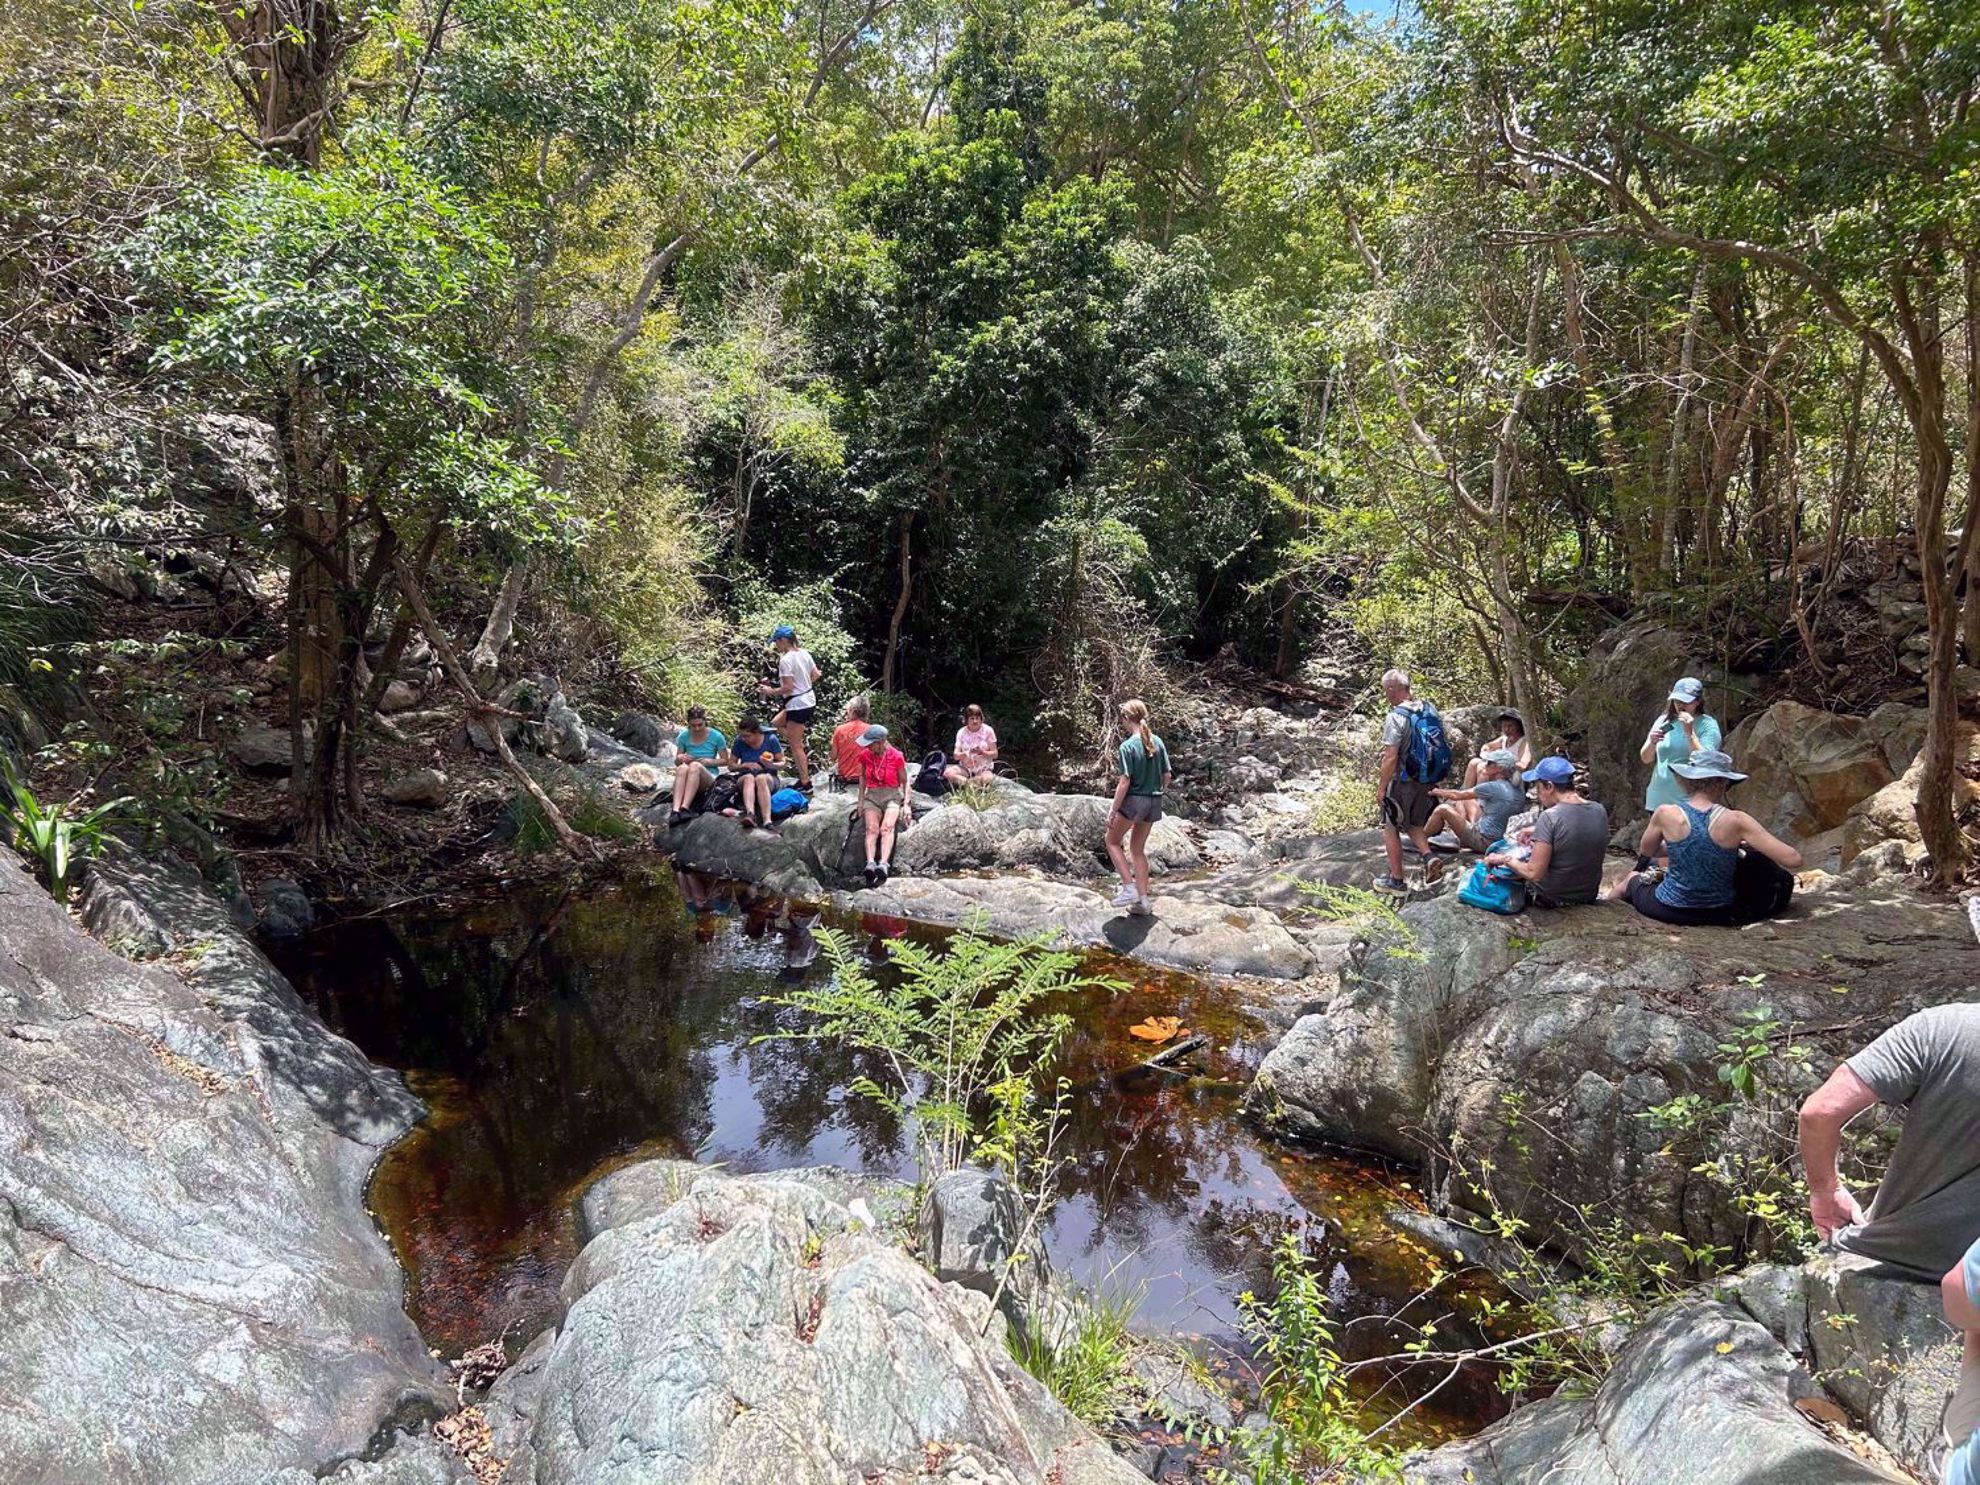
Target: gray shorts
[(1143, 809), (1407, 804)]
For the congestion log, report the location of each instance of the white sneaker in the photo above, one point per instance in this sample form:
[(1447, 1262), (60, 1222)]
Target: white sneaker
[(1142, 908), (1126, 897)]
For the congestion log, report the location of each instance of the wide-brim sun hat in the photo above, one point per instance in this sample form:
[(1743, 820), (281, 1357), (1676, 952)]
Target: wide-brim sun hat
[(875, 733), (1708, 763)]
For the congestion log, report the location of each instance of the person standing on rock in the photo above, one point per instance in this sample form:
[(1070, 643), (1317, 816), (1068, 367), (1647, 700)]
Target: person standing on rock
[(1416, 755), (1144, 779), (1927, 1207), (697, 751), (1683, 728), (883, 800), (797, 676), (1570, 841)]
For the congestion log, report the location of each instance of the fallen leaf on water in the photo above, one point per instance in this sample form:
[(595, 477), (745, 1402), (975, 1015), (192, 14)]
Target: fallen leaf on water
[(1158, 1029), (1723, 1347)]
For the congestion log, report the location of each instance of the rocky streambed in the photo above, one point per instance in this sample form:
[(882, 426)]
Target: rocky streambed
[(197, 1292)]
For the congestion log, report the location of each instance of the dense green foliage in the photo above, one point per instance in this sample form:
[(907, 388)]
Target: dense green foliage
[(1022, 351)]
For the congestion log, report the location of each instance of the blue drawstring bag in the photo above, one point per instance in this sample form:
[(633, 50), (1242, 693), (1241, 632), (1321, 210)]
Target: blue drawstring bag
[(787, 802), (1494, 889)]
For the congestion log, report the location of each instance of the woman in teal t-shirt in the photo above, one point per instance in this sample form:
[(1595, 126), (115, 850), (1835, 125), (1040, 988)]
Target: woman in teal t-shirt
[(696, 747), (1683, 728), (1137, 805)]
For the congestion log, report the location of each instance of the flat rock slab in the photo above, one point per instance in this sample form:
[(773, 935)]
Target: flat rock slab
[(191, 1289), (1183, 933), (753, 1333)]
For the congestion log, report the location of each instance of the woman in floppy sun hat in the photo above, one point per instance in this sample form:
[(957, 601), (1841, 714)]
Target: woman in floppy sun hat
[(1681, 729), (1705, 839)]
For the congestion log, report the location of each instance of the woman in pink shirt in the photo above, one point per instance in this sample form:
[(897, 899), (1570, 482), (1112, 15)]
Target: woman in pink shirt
[(882, 799), (975, 757)]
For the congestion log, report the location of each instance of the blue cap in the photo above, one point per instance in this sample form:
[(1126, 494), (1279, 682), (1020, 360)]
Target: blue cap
[(1688, 690), (1555, 771), (784, 631)]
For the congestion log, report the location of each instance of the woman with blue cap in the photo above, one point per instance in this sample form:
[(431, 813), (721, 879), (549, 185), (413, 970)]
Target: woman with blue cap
[(1708, 882), (797, 674), (1682, 729)]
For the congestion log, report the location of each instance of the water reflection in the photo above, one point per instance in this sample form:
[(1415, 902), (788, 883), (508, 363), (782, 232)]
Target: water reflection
[(555, 1036)]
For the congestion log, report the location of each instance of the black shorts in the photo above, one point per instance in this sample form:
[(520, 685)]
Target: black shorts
[(1142, 809), (1642, 894), (801, 715), (1407, 804)]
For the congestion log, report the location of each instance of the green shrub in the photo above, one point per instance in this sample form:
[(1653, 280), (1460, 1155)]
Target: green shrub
[(54, 839), (1085, 1364)]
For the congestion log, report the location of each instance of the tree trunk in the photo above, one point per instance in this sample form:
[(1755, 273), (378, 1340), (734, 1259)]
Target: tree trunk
[(900, 602)]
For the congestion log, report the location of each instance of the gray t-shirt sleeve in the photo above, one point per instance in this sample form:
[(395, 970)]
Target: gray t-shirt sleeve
[(1392, 727), (1545, 826), (1894, 1065)]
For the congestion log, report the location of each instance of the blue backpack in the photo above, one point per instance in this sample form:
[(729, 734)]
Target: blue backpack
[(787, 802), (1425, 754), (1496, 889)]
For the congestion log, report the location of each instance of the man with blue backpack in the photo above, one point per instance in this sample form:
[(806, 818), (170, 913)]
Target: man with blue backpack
[(1416, 755)]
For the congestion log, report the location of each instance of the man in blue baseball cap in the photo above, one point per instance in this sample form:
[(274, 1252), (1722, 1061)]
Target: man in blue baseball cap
[(1570, 840)]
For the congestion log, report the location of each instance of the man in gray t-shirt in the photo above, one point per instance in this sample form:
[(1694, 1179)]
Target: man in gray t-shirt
[(1927, 1208), (1570, 839)]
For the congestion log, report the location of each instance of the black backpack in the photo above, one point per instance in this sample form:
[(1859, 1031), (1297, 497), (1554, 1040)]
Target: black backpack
[(931, 780), (725, 793)]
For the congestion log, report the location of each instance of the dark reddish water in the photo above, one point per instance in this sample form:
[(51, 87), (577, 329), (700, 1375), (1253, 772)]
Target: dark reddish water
[(555, 1036)]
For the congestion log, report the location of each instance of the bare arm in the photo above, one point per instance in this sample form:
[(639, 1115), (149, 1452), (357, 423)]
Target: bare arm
[(1531, 869), (1652, 843), (1388, 771), (1823, 1116), (1454, 793), (1760, 838), (1961, 1312), (1650, 743)]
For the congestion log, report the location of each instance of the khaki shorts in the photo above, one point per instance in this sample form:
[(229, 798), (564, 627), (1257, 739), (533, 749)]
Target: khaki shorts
[(879, 799)]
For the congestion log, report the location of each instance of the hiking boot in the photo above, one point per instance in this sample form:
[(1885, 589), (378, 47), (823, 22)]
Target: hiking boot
[(1126, 897), (1392, 886), (803, 787), (1433, 871), (885, 871), (871, 876)]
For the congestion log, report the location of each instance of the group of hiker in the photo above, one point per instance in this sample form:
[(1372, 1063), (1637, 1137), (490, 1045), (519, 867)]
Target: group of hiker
[(1699, 861), (865, 760)]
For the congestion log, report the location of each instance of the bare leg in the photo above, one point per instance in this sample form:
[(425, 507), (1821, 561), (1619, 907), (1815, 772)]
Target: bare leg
[(1138, 853), (687, 784), (1117, 829), (800, 759), (872, 834), (887, 828), (1392, 844)]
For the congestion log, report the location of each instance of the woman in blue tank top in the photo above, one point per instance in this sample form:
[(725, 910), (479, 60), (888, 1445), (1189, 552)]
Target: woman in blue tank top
[(1703, 838)]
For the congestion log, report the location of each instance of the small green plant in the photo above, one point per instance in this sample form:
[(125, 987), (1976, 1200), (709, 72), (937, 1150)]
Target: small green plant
[(592, 814), (1349, 805), (1085, 1361), (52, 836), (1315, 1429), (1372, 913)]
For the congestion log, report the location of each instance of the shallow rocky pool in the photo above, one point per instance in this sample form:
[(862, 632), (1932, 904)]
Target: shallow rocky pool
[(555, 1035)]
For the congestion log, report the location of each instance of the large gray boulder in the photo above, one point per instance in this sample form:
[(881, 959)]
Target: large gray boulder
[(752, 1332), (1185, 933), (1625, 683), (1536, 1046), (191, 1289), (1064, 834), (1701, 1395)]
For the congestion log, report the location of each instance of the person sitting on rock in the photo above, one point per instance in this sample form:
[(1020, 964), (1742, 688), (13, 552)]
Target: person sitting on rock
[(1512, 739), (698, 749), (1959, 1424), (974, 760), (797, 674), (846, 746), (883, 800), (1495, 796), (1563, 867), (1705, 840), (756, 756), (1681, 729), (1923, 1216)]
